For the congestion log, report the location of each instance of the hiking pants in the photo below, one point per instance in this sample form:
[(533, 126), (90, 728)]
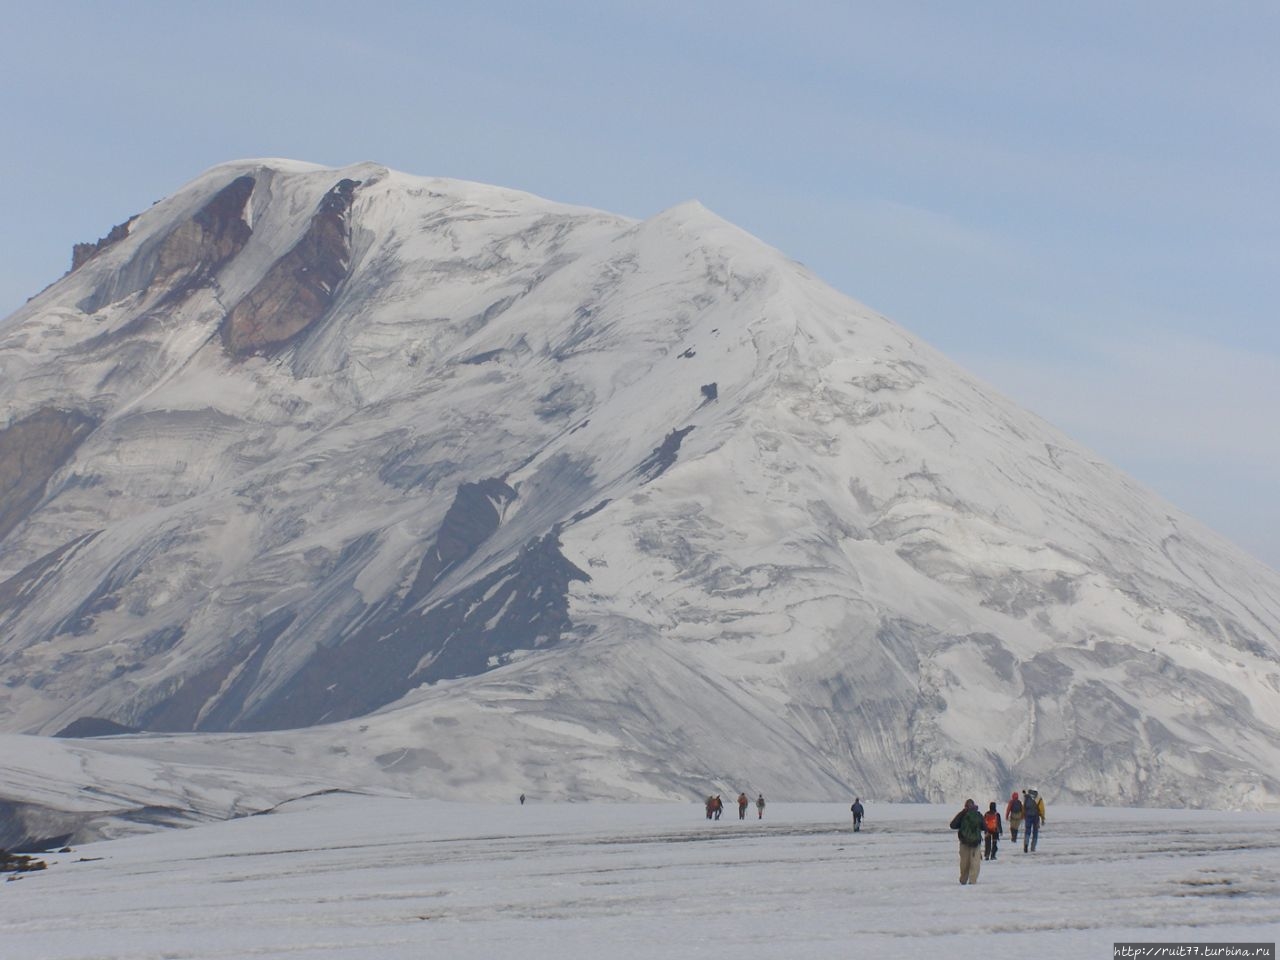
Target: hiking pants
[(970, 863), (1015, 821), (990, 843), (1031, 836)]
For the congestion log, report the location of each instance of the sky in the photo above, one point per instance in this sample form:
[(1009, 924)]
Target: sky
[(1079, 203)]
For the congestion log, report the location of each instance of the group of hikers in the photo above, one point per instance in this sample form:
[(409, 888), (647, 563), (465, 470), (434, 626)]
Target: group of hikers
[(715, 806), (976, 829)]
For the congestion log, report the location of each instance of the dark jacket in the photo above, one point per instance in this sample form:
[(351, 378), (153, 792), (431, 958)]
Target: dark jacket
[(969, 823)]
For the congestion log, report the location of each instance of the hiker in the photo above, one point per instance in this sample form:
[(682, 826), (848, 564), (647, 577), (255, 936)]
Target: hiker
[(711, 806), (991, 835), (760, 807), (1013, 815), (969, 826), (742, 805), (856, 810), (522, 799), (1033, 811), (717, 806)]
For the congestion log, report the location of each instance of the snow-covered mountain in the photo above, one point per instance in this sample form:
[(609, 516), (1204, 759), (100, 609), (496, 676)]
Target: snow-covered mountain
[(505, 494)]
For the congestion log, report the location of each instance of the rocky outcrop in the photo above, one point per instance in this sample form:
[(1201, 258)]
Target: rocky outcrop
[(31, 451), (300, 287), (523, 605), (94, 727), (82, 253), (664, 455), (471, 519), (199, 247), (187, 257), (415, 639)]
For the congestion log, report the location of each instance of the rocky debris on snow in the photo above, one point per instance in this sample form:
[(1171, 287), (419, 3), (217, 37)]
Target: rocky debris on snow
[(20, 863)]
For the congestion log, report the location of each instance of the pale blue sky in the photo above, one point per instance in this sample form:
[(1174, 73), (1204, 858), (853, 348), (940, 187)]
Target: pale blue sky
[(1078, 202)]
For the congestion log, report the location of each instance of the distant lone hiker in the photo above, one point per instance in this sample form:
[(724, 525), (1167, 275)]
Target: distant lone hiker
[(856, 810), (743, 803), (969, 826), (522, 799), (760, 807)]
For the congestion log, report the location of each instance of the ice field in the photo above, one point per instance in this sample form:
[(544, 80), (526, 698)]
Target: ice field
[(344, 876)]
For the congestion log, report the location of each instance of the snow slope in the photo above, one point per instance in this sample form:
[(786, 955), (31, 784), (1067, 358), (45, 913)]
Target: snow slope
[(346, 877), (454, 490)]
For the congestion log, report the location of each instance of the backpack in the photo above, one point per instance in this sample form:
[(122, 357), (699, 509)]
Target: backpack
[(1032, 809), (1015, 807), (992, 820), (970, 828)]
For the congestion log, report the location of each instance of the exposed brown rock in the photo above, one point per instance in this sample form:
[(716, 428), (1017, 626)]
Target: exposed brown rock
[(198, 248), (31, 451), (300, 287), (188, 256)]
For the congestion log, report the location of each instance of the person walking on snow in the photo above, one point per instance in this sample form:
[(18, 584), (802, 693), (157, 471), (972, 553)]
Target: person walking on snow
[(969, 827), (760, 807), (856, 810), (1033, 811), (1013, 815), (991, 835), (742, 805)]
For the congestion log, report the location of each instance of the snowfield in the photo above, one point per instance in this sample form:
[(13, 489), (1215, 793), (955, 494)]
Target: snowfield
[(345, 876)]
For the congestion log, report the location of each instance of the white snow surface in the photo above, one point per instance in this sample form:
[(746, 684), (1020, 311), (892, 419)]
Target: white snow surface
[(864, 571), (344, 876)]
